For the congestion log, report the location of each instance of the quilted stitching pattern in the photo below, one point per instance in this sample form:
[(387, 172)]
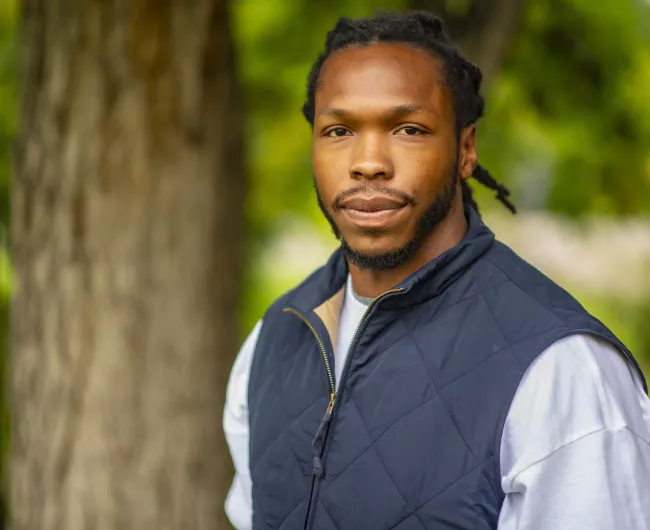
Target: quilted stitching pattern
[(415, 440)]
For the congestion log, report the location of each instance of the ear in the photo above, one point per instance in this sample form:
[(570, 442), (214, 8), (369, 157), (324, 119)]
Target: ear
[(467, 155)]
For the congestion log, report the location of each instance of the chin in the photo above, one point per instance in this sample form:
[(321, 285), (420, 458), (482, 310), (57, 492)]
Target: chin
[(374, 248), (376, 242)]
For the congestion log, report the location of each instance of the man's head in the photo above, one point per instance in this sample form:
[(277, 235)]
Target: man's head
[(393, 106)]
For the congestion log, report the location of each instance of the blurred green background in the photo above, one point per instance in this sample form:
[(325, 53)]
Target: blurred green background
[(567, 128)]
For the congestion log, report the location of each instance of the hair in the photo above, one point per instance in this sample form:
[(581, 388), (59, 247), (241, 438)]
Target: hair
[(425, 31)]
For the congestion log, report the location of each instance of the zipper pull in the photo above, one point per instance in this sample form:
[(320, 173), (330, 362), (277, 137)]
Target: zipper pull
[(317, 442), (331, 404)]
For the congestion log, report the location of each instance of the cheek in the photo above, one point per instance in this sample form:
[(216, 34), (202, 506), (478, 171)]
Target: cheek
[(330, 170), (423, 170)]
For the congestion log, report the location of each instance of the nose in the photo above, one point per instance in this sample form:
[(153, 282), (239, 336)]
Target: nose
[(371, 159)]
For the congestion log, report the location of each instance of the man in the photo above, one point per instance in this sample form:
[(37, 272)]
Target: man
[(426, 376)]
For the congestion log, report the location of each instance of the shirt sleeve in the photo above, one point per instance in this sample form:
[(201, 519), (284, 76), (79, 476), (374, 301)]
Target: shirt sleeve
[(575, 451), (239, 504)]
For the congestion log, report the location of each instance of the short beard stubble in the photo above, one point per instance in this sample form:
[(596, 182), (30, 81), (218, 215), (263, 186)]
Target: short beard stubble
[(436, 212)]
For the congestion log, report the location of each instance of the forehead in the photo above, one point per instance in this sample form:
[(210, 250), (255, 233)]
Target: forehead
[(383, 74)]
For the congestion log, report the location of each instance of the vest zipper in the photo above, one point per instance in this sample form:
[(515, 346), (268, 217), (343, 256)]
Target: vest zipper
[(318, 443), (321, 432), (328, 369)]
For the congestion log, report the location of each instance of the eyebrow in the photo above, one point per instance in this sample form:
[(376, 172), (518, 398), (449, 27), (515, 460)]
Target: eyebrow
[(396, 111)]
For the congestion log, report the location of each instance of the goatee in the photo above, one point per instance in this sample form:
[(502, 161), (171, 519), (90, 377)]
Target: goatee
[(436, 212)]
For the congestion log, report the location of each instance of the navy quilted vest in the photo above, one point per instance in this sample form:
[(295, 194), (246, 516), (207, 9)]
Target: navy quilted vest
[(412, 440)]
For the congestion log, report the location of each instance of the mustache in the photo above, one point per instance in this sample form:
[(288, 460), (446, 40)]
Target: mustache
[(376, 189)]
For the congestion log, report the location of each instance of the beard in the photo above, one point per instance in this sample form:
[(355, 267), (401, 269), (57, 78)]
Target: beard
[(435, 213)]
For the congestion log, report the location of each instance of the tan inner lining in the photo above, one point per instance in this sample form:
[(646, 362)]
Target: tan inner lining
[(330, 313)]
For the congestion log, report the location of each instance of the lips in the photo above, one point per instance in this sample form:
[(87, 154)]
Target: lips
[(374, 213), (372, 204)]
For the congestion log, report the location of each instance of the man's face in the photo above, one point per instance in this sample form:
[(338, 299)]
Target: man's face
[(385, 150)]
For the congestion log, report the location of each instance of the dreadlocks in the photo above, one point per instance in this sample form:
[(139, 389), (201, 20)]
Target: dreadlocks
[(424, 31)]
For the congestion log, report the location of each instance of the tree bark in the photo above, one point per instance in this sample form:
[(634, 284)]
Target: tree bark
[(483, 29), (127, 229)]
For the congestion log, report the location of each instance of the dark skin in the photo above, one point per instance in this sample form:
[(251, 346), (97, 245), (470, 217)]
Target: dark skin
[(384, 144)]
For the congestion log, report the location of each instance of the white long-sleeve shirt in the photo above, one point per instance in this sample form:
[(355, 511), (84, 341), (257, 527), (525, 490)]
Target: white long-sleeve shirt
[(575, 450)]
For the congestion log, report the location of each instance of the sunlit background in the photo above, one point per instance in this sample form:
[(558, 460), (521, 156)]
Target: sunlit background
[(567, 128)]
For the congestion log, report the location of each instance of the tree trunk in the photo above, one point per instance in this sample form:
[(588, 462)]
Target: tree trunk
[(483, 29), (126, 231)]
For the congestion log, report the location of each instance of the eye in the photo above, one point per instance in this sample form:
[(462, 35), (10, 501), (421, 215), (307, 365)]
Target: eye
[(409, 130), (337, 132)]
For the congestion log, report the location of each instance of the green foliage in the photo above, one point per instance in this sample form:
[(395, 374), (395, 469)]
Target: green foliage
[(567, 123), (568, 119)]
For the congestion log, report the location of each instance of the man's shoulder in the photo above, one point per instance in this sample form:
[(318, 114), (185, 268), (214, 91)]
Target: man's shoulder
[(530, 309), (523, 283), (525, 304)]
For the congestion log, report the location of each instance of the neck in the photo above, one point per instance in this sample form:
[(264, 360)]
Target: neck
[(371, 283)]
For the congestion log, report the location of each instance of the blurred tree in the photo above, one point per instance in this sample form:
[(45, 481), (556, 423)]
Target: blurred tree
[(7, 99), (126, 227), (7, 114)]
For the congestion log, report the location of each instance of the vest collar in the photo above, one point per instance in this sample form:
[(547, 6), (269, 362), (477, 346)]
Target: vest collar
[(437, 275), (322, 293)]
